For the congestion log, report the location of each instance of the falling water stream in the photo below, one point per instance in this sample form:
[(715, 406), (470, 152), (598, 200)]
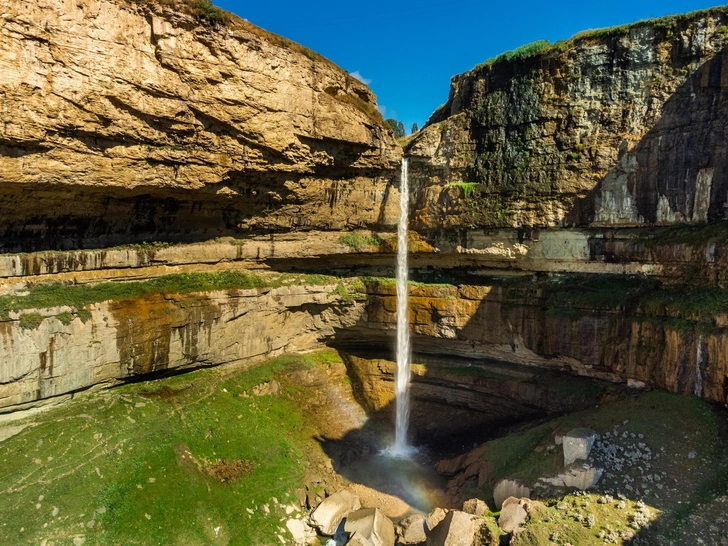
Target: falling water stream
[(403, 340)]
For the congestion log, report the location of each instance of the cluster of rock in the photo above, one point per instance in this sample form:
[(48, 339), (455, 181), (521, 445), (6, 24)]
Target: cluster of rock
[(628, 464), (342, 517)]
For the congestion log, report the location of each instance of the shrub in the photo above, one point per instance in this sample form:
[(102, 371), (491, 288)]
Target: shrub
[(212, 13), (520, 53)]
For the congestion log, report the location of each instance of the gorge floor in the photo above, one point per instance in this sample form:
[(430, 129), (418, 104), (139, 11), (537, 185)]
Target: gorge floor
[(226, 456)]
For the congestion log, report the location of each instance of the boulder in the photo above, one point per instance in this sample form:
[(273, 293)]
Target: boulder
[(509, 488), (577, 444), (512, 517), (476, 507), (302, 533), (357, 540), (413, 530), (580, 476), (457, 529), (371, 525), (511, 500), (332, 510), (434, 518)]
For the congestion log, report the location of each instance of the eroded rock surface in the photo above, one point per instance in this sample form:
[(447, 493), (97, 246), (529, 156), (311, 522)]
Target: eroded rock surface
[(592, 131), (131, 121)]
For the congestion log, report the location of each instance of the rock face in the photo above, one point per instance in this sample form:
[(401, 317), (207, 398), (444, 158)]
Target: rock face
[(512, 517), (580, 476), (614, 127), (129, 121), (413, 530), (130, 338), (661, 336)]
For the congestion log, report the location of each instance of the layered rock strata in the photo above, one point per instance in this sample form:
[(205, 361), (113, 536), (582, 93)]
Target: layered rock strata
[(131, 121), (615, 127), (610, 328), (59, 354)]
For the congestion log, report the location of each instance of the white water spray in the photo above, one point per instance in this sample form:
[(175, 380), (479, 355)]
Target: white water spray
[(403, 338)]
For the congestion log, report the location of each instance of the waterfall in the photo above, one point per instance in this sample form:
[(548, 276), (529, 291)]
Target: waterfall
[(698, 386), (403, 338)]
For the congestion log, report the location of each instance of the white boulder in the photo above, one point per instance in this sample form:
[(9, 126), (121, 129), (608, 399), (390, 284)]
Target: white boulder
[(332, 510)]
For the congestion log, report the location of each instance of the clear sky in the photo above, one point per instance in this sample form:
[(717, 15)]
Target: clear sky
[(407, 51)]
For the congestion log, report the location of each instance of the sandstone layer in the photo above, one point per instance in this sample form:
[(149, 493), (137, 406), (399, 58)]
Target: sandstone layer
[(133, 121)]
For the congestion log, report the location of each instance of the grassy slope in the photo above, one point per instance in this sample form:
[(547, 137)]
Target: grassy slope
[(677, 424), (92, 461)]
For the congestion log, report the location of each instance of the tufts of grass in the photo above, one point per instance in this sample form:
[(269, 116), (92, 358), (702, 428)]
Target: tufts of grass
[(30, 321), (468, 188), (357, 240), (687, 234), (77, 296), (65, 318), (523, 52), (666, 25), (212, 13)]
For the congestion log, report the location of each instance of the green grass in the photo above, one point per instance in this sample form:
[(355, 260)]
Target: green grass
[(520, 53), (358, 241), (211, 12), (667, 25), (77, 296), (663, 418), (468, 188), (135, 462), (688, 234), (30, 321)]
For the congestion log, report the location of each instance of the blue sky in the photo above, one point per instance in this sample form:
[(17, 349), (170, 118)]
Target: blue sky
[(408, 51)]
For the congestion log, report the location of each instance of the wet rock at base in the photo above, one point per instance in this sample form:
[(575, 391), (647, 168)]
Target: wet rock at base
[(577, 444), (509, 488), (475, 507), (371, 526), (332, 510), (457, 529), (412, 530)]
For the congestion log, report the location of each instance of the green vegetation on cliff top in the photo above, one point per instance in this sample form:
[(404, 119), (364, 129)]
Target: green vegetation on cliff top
[(45, 296), (192, 459), (667, 23)]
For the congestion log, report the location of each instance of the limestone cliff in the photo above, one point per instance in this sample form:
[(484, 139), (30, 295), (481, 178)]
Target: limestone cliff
[(622, 126), (127, 121), (57, 353)]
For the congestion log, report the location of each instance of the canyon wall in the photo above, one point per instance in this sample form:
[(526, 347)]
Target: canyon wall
[(613, 328), (50, 352), (597, 163), (616, 127), (134, 121)]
